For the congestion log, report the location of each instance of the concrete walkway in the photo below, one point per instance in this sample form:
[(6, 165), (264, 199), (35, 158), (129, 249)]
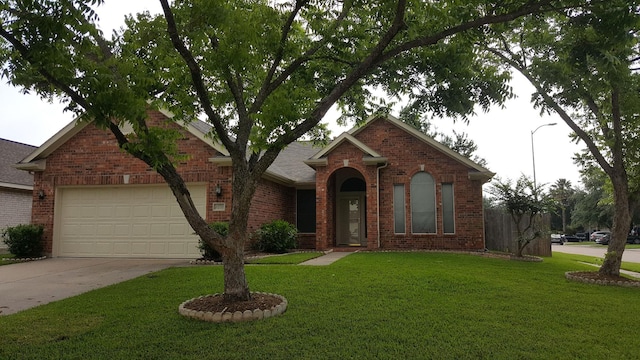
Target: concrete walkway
[(326, 259)]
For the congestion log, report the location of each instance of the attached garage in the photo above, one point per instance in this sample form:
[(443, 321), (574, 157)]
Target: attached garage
[(138, 221)]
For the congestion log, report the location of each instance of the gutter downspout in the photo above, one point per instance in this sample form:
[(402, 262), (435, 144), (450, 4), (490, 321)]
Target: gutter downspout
[(378, 198)]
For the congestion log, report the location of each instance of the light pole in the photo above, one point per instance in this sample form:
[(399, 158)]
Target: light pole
[(533, 157)]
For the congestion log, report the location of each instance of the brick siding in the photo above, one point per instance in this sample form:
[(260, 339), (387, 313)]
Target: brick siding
[(92, 157), (15, 209), (406, 154)]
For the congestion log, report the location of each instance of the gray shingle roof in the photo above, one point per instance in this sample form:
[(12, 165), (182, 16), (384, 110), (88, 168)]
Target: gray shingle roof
[(12, 152), (290, 162)]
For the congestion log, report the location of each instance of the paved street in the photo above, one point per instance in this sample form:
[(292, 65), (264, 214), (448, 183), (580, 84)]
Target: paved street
[(630, 255)]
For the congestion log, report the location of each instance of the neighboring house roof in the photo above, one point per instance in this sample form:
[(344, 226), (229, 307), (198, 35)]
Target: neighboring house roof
[(10, 177)]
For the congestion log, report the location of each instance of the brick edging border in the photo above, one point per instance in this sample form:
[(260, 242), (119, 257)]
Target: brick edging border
[(571, 275), (247, 315), (19, 260)]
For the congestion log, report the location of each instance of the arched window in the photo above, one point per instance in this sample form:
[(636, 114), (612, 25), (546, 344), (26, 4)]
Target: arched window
[(423, 204)]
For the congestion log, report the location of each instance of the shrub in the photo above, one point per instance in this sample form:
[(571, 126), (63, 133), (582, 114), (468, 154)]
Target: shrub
[(277, 236), (208, 253), (24, 241)]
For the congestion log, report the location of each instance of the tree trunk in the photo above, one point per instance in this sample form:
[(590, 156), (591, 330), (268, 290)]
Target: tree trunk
[(236, 287), (621, 222), (564, 219), (231, 248)]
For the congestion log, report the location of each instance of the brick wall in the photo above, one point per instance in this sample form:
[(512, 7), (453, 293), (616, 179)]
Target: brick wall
[(15, 208), (92, 157), (272, 202), (406, 155)]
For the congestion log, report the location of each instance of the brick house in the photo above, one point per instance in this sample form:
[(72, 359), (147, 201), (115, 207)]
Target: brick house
[(383, 185), (16, 187)]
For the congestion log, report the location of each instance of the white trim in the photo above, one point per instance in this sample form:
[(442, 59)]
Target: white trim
[(16, 186), (342, 138)]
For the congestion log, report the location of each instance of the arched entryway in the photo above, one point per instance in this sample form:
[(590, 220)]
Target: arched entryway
[(350, 208)]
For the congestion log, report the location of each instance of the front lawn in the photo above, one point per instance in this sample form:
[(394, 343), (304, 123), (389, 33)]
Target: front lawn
[(365, 306)]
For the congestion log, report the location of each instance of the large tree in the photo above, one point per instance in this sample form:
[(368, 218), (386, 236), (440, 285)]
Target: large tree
[(583, 63), (262, 73)]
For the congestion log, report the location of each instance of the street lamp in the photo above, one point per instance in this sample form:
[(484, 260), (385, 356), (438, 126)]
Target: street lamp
[(533, 157)]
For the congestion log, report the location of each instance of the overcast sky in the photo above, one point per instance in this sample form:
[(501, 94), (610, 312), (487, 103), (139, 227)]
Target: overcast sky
[(503, 136)]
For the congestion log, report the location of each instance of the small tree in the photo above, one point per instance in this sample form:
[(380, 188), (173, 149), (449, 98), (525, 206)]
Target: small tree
[(524, 203)]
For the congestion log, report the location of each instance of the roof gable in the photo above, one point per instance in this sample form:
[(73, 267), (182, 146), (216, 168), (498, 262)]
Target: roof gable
[(36, 160), (346, 137), (482, 173)]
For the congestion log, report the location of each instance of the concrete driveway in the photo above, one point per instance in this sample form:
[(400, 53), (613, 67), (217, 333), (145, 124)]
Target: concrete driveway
[(630, 255), (26, 285)]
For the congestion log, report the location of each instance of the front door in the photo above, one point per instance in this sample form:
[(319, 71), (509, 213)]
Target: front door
[(350, 220)]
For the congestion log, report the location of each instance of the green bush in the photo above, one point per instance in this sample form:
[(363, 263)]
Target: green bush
[(24, 241), (208, 253), (277, 236)]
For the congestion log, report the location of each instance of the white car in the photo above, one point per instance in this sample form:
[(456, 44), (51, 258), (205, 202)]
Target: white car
[(557, 239)]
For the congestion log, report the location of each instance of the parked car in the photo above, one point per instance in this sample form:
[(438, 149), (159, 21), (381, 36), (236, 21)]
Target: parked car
[(570, 238), (557, 239), (633, 239), (582, 236), (601, 237)]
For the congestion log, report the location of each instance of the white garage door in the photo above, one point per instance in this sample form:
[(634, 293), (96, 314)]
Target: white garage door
[(125, 221)]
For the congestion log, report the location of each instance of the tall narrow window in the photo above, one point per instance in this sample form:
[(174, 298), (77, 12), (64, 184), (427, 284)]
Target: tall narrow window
[(306, 211), (423, 204), (398, 209), (448, 223)]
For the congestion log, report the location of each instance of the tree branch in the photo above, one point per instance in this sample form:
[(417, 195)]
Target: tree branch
[(365, 66), (269, 87), (26, 53), (559, 110), (529, 8), (196, 77)]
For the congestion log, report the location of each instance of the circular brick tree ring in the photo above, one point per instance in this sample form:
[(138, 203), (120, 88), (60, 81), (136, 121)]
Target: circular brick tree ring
[(197, 308)]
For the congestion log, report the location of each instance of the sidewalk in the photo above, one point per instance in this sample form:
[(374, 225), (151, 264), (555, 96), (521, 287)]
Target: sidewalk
[(326, 259)]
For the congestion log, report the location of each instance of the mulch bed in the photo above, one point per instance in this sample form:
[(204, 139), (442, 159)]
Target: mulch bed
[(218, 303)]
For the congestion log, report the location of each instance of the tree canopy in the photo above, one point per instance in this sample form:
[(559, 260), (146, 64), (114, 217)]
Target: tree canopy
[(262, 73), (583, 63)]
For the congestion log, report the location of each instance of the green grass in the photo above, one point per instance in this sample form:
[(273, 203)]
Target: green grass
[(287, 259), (6, 256), (597, 261), (365, 306)]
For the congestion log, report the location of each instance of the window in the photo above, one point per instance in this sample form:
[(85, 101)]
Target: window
[(398, 209), (306, 211), (447, 208), (423, 204)]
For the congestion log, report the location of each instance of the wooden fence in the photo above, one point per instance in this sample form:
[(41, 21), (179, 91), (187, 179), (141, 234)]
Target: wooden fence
[(501, 234)]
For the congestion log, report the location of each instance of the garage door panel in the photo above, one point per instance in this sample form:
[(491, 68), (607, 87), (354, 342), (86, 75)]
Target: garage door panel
[(105, 229), (134, 221), (161, 211), (103, 248)]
